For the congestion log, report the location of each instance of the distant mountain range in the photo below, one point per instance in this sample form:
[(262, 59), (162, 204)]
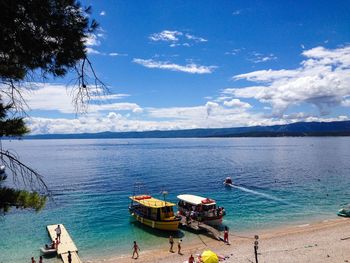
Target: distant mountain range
[(338, 128)]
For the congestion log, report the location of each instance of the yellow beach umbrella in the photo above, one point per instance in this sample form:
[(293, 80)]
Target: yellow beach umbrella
[(209, 256)]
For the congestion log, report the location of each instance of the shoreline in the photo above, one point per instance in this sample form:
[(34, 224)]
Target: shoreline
[(321, 241)]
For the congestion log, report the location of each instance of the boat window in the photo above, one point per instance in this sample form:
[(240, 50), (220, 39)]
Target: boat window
[(158, 214)]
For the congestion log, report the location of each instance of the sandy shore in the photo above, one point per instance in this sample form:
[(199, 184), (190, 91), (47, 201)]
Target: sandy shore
[(326, 241)]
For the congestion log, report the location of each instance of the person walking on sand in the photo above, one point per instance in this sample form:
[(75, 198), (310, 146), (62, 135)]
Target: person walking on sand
[(179, 247), (69, 257), (226, 235), (58, 232), (171, 242), (136, 249)]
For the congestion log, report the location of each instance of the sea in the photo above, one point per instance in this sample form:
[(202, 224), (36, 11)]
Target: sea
[(278, 182)]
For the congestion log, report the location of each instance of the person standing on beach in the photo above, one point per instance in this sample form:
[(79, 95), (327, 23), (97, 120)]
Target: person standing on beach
[(69, 257), (136, 249), (191, 259), (33, 260), (41, 259), (179, 247), (226, 235), (171, 242), (58, 232)]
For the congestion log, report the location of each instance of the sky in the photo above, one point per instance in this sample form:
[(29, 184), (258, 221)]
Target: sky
[(206, 64)]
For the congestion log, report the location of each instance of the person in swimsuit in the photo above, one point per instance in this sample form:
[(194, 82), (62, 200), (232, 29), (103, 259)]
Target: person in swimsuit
[(136, 249), (171, 242)]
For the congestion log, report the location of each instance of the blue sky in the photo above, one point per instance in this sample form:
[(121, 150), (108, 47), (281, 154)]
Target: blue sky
[(192, 64)]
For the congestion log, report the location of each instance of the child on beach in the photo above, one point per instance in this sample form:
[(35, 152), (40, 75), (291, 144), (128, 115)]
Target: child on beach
[(136, 249), (226, 235), (171, 242), (179, 247)]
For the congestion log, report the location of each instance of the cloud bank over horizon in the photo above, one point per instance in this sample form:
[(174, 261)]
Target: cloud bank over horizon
[(322, 82)]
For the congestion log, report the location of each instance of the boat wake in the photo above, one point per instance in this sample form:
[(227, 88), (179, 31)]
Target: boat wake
[(267, 196)]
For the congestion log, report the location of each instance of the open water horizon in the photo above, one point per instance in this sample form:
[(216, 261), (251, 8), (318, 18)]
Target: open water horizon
[(281, 181)]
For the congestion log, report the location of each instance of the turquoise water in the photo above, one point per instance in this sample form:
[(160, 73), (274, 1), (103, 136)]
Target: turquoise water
[(280, 181)]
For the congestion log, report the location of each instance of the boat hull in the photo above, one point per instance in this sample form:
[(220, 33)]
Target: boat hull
[(344, 213), (213, 222), (169, 225)]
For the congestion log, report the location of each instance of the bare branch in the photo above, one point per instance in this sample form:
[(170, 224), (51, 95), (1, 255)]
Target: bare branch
[(22, 173), (86, 85)]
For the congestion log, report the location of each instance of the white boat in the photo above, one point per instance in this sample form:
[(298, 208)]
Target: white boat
[(228, 181), (2, 169), (345, 211), (48, 251), (200, 209)]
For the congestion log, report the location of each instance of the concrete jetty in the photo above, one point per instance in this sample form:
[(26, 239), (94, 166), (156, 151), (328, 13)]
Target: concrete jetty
[(65, 245)]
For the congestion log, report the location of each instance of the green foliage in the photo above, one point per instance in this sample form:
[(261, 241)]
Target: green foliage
[(20, 199), (42, 34), (11, 126)]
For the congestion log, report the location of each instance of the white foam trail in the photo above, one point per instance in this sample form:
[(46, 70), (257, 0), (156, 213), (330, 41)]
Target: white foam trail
[(258, 193)]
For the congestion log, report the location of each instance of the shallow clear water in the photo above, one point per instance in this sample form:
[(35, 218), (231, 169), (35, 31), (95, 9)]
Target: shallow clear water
[(281, 181)]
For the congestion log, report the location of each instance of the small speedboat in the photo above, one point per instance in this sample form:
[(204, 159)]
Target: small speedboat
[(2, 169), (345, 211), (47, 251), (228, 181)]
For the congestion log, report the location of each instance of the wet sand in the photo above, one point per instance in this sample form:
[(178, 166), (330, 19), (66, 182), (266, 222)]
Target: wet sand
[(326, 241)]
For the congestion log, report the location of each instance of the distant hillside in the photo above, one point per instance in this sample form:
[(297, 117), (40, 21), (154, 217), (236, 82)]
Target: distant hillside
[(339, 128)]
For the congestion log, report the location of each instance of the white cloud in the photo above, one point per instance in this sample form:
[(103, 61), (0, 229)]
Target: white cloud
[(237, 103), (189, 118), (102, 13), (195, 38), (256, 57), (56, 97), (166, 35), (114, 54), (176, 38), (236, 12), (323, 80), (90, 50), (92, 40), (233, 52), (191, 68)]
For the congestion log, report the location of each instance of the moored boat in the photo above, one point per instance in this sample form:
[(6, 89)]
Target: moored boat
[(47, 251), (153, 212), (200, 209), (345, 211)]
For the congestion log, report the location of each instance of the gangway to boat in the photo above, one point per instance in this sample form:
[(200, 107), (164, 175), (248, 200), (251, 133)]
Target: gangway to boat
[(196, 225), (66, 244)]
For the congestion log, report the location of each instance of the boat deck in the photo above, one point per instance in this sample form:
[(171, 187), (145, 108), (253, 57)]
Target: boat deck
[(65, 245)]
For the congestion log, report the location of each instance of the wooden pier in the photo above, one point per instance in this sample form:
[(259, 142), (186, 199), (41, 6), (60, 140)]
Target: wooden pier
[(65, 245), (196, 225)]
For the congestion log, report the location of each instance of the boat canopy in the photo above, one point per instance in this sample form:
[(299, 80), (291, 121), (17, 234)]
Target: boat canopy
[(149, 201), (196, 200)]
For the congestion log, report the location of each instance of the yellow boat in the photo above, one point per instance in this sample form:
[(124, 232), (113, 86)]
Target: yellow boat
[(153, 212)]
